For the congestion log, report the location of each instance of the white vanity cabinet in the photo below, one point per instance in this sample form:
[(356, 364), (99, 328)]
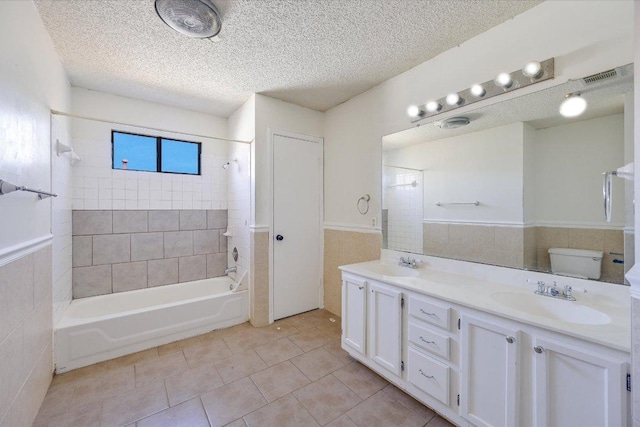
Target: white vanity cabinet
[(489, 392), (354, 319), (384, 321), (578, 386)]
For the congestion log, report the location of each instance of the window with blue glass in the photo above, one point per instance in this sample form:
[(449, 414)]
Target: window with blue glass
[(154, 154)]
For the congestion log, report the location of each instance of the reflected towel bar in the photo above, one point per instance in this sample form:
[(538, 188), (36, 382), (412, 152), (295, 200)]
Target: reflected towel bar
[(476, 203), (6, 187), (412, 183)]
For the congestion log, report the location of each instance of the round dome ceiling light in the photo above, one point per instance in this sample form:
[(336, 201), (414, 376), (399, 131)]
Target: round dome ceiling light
[(193, 18), (573, 105), (454, 122)]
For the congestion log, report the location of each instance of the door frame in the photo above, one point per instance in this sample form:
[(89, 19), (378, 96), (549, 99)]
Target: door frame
[(271, 133)]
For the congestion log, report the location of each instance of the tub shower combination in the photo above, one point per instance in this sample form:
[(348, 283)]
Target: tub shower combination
[(104, 327)]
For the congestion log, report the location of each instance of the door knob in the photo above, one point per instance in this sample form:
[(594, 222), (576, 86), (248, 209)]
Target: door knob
[(279, 237)]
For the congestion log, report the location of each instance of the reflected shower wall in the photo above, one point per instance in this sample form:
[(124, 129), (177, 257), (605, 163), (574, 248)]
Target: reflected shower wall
[(402, 209)]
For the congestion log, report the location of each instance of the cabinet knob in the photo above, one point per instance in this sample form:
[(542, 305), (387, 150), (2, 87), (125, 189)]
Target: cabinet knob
[(510, 339), (361, 287), (538, 349)]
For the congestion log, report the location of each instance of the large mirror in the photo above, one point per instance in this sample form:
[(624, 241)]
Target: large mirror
[(518, 180)]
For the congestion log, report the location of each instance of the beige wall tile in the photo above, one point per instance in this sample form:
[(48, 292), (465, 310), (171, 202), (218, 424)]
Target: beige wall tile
[(38, 333), (206, 242), (259, 247), (130, 221), (92, 222), (145, 246), (552, 237), (509, 238), (82, 251), (216, 264), (11, 369), (217, 219), (193, 220), (129, 276), (164, 220), (178, 244), (91, 281), (437, 233), (613, 241), (192, 268), (581, 238), (111, 249), (162, 272), (16, 293)]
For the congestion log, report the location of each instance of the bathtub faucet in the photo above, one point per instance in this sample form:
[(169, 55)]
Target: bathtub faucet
[(230, 270)]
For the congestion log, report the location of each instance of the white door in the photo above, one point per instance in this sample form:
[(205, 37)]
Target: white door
[(385, 326), (489, 389), (354, 314), (575, 387), (297, 200)]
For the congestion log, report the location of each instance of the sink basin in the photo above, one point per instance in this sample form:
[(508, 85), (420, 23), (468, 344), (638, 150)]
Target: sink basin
[(538, 305), (392, 270)]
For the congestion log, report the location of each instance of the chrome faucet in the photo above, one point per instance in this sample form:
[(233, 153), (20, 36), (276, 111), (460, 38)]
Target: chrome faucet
[(553, 292), (408, 262), (230, 270)]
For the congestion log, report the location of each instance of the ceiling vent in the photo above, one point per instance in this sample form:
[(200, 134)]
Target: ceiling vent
[(600, 77), (193, 18), (454, 122)]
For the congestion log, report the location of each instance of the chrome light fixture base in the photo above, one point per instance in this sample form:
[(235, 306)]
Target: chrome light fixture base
[(193, 18), (489, 90)]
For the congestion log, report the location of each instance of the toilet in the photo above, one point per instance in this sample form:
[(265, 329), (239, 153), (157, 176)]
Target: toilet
[(579, 263)]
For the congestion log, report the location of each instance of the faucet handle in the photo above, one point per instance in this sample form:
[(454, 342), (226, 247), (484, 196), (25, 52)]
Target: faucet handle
[(541, 287), (567, 291)]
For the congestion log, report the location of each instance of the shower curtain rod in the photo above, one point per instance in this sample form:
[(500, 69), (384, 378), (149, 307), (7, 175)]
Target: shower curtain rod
[(77, 116)]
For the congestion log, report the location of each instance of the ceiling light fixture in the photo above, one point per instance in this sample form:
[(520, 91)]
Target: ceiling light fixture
[(573, 105), (531, 73), (193, 18)]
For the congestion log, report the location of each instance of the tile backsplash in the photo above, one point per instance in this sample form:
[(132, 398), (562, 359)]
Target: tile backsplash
[(118, 251)]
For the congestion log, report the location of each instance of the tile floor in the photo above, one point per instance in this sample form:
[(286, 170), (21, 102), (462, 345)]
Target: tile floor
[(291, 373)]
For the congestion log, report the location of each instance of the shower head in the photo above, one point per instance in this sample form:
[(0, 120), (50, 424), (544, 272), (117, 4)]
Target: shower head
[(226, 165)]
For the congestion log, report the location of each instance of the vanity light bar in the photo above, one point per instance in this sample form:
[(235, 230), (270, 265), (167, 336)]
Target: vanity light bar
[(503, 83)]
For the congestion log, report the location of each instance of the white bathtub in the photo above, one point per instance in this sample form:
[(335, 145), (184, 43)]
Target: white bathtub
[(100, 328)]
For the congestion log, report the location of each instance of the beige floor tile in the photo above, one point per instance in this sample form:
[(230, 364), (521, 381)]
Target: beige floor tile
[(279, 380), (381, 410), (192, 383), (187, 414), (178, 345), (246, 340), (438, 421), (392, 392), (160, 367), (278, 351), (232, 401), (239, 366), (107, 384), (56, 401), (309, 339), (327, 399), (132, 359), (206, 351), (335, 348), (317, 363), (360, 379), (285, 412), (237, 423), (134, 405), (85, 416), (343, 421)]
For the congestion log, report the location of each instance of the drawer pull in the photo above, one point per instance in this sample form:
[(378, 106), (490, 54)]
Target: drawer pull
[(428, 314), (424, 375), (427, 342), (361, 287)]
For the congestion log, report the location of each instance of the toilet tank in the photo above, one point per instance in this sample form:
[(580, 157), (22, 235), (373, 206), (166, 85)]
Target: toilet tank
[(576, 262)]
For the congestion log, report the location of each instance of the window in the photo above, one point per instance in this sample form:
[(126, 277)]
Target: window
[(154, 154)]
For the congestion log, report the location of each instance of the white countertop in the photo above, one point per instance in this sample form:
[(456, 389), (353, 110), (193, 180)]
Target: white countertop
[(466, 290)]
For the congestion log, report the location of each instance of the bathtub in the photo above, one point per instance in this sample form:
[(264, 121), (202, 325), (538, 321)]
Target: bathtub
[(104, 327)]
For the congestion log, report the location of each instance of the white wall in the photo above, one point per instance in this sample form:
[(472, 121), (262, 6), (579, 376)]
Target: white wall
[(486, 166), (274, 114), (569, 162), (584, 38), (241, 124)]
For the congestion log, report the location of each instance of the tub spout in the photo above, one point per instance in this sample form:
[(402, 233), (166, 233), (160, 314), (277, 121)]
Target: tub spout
[(230, 270)]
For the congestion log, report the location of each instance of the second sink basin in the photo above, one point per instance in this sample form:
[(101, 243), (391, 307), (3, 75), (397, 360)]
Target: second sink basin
[(392, 270), (538, 305)]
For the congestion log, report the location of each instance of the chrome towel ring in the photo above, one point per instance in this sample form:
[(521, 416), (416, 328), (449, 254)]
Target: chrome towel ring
[(363, 208)]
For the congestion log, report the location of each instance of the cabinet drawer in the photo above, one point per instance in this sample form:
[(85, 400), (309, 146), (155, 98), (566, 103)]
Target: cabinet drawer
[(429, 340), (428, 375), (429, 312)]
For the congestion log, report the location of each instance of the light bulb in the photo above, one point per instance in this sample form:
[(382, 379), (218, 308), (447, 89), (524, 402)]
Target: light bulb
[(504, 80), (433, 106), (532, 69), (478, 90), (414, 111), (454, 99), (573, 105)]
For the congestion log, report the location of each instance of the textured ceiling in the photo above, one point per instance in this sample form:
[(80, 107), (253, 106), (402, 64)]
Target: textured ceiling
[(314, 53), (538, 109)]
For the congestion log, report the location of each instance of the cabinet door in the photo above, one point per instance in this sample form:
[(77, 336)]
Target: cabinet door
[(490, 377), (576, 387), (354, 312), (385, 326)]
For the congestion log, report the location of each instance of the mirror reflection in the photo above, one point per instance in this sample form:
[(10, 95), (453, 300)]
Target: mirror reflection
[(517, 180)]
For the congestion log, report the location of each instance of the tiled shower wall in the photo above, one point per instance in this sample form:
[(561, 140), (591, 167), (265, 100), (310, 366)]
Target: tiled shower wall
[(523, 247), (403, 206), (26, 336), (117, 251)]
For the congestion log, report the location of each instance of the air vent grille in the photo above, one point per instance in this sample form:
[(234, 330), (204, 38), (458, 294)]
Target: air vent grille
[(596, 78)]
